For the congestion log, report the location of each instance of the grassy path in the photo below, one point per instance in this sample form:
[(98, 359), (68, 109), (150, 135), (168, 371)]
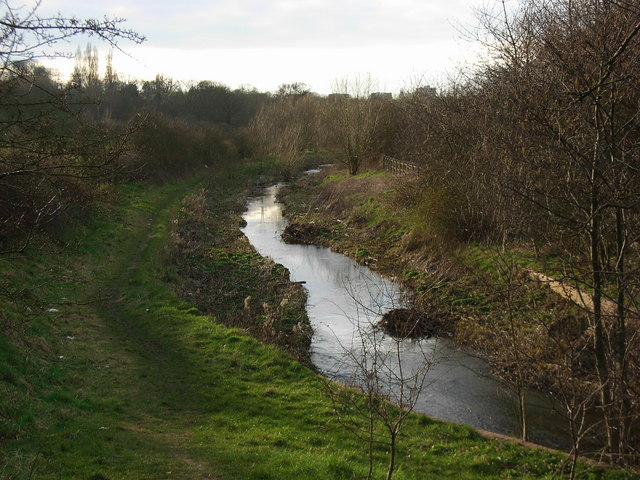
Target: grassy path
[(155, 375), (107, 385), (134, 381)]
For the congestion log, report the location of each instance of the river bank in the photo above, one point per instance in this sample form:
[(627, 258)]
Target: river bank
[(488, 298), (454, 285), (213, 266), (347, 306), (110, 371)]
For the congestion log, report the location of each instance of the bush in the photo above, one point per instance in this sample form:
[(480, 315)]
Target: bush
[(444, 213), (439, 214), (171, 147)]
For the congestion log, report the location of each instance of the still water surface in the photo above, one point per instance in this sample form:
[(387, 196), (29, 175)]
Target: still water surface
[(345, 299)]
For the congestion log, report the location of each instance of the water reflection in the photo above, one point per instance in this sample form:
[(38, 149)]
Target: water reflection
[(346, 300)]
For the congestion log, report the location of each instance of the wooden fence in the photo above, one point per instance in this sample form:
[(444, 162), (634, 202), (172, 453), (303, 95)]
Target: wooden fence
[(399, 167)]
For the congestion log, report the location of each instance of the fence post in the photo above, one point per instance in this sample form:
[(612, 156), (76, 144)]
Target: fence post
[(397, 167)]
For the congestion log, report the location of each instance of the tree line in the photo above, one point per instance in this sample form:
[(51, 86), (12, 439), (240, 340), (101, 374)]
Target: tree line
[(61, 140)]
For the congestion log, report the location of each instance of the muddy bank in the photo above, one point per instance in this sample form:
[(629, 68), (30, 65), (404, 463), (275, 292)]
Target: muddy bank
[(304, 234), (410, 323), (214, 266)]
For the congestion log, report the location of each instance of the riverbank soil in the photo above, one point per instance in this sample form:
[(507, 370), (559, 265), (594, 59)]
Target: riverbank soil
[(111, 369)]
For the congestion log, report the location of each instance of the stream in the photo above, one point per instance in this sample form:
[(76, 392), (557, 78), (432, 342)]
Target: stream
[(345, 300)]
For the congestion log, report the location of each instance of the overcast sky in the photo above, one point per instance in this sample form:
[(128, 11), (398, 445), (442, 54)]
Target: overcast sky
[(264, 43)]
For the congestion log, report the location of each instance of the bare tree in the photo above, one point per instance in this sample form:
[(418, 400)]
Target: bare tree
[(289, 127), (356, 115), (387, 376), (45, 148), (25, 35), (569, 71)]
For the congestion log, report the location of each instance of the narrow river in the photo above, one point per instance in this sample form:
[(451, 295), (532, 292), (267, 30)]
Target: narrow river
[(345, 299)]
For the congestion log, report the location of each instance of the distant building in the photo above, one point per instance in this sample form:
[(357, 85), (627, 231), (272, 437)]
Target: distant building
[(338, 96), (382, 95), (425, 91)]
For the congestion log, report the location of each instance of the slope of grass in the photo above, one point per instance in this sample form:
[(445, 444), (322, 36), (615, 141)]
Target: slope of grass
[(106, 374)]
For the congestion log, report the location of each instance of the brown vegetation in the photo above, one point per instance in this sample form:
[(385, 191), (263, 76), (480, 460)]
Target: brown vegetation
[(408, 323)]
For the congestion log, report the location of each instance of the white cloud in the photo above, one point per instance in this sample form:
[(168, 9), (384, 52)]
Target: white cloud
[(314, 41), (278, 23)]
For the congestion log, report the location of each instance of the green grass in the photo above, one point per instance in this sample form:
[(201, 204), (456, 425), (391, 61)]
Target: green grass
[(343, 174), (128, 381), (491, 258)]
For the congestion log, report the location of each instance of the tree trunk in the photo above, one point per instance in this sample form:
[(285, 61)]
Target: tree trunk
[(522, 411), (621, 334), (392, 455), (599, 341)]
